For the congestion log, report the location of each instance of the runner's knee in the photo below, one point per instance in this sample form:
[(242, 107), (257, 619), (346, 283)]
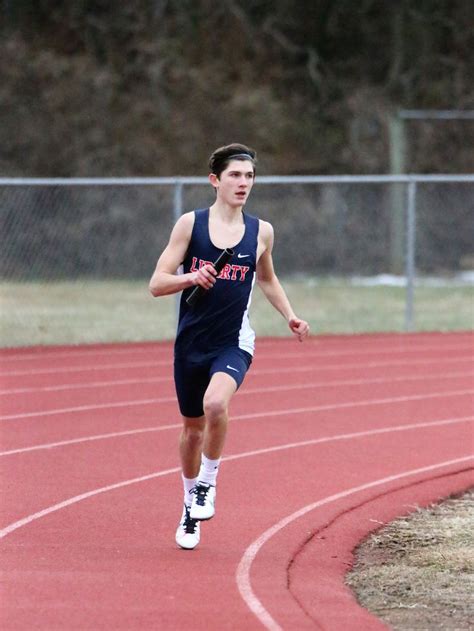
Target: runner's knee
[(215, 407), (193, 435)]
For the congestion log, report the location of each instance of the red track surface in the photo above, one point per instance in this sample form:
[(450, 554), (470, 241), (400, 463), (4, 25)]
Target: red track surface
[(328, 439)]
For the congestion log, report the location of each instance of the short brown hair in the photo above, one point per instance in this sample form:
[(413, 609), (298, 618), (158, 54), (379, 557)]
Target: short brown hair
[(221, 157)]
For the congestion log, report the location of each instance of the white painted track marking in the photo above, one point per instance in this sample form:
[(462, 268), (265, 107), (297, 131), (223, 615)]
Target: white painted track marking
[(82, 352), (247, 391), (144, 430), (168, 362), (83, 386), (263, 343), (88, 439), (238, 417), (147, 380), (350, 404), (88, 408), (255, 371), (243, 570), (68, 369), (83, 496)]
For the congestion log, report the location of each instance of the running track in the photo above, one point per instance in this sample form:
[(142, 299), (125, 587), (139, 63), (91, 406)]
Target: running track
[(328, 439)]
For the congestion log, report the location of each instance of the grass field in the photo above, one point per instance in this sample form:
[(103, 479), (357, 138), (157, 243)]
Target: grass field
[(79, 312)]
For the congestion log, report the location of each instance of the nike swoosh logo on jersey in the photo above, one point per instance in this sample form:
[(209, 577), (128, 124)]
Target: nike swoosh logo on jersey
[(230, 368), (242, 256)]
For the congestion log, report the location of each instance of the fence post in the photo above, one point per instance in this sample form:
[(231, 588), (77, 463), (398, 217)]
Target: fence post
[(398, 159), (177, 212), (410, 255), (178, 200)]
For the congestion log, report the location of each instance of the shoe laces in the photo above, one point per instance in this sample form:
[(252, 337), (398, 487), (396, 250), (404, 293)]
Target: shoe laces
[(189, 525), (201, 491)]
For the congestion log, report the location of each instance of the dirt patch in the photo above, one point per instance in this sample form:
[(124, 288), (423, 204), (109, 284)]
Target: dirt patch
[(418, 571)]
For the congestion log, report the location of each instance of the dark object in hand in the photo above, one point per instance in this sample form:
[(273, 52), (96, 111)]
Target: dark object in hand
[(222, 260)]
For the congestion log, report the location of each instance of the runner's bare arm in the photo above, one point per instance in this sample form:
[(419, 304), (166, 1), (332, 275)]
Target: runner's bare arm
[(271, 286), (165, 279)]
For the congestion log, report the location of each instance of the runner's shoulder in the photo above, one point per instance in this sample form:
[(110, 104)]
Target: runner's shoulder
[(265, 230), (184, 225)]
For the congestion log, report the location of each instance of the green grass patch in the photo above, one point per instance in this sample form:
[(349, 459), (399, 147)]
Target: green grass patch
[(86, 311), (82, 312)]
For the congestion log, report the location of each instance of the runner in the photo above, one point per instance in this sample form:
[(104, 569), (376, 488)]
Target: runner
[(215, 343)]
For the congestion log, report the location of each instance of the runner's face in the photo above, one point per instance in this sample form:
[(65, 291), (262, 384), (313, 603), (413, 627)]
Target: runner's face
[(235, 183)]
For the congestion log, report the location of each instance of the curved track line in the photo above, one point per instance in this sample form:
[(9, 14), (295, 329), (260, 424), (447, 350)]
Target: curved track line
[(247, 391), (88, 408), (159, 428), (169, 362), (255, 371), (246, 454), (83, 386), (52, 371), (73, 353), (243, 569), (150, 345), (132, 403), (265, 355), (86, 439)]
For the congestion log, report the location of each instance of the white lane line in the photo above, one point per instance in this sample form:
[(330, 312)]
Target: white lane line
[(351, 404), (242, 575), (156, 428), (87, 408), (85, 385), (160, 428), (68, 369), (83, 352), (326, 439), (79, 498), (154, 401), (153, 347), (244, 392), (273, 356), (88, 439), (255, 371)]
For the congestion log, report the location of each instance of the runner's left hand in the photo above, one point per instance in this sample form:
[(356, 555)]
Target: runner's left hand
[(299, 327)]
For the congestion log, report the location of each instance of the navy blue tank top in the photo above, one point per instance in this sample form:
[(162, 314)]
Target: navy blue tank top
[(220, 317)]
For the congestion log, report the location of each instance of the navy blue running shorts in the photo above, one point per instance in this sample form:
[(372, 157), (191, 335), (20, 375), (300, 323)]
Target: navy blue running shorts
[(192, 377)]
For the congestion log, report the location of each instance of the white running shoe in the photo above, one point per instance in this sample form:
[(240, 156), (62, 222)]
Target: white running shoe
[(202, 507), (188, 532)]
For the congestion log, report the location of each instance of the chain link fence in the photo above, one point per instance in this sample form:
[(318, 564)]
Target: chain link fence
[(355, 253)]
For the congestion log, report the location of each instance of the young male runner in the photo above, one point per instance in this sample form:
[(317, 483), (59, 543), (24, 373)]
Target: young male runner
[(215, 343)]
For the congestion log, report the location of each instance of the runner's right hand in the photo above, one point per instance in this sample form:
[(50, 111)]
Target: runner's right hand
[(205, 277)]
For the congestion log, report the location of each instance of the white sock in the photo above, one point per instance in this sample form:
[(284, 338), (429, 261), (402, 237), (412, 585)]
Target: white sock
[(188, 485), (209, 470)]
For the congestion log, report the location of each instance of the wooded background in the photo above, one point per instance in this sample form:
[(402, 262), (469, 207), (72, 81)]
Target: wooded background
[(151, 87)]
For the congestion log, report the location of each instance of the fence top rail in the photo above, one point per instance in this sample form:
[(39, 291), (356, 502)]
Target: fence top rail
[(262, 179), (437, 114)]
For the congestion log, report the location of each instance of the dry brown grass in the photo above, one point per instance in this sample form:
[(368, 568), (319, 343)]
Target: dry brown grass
[(418, 572)]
